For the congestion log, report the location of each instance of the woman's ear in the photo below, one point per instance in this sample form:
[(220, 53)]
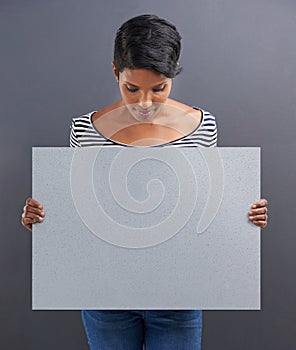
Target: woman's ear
[(116, 73)]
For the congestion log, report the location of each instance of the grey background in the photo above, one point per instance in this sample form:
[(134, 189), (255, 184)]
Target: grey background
[(239, 63), (99, 252)]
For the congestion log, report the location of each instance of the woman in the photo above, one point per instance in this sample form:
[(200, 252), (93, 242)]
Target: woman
[(146, 53)]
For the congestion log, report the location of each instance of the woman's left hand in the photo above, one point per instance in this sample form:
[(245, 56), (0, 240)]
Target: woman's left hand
[(258, 213)]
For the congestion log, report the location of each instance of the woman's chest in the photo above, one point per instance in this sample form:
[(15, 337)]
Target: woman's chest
[(147, 134), (172, 124)]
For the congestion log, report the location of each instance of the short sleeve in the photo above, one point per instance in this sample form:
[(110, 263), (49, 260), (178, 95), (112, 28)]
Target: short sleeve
[(73, 137), (215, 132), (207, 134)]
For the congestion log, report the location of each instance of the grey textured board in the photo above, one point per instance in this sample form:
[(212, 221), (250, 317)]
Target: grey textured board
[(146, 228)]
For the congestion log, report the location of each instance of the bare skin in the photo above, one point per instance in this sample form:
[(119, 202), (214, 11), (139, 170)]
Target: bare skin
[(175, 120), (32, 213), (148, 88)]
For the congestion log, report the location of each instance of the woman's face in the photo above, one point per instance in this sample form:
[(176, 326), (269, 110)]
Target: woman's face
[(143, 91)]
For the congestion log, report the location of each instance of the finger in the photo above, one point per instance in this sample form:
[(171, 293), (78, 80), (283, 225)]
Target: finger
[(29, 209), (33, 217), (258, 211), (260, 223), (32, 202), (27, 224), (261, 203), (258, 217), (27, 221)]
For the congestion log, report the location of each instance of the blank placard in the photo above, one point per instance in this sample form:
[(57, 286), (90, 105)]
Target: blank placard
[(146, 228)]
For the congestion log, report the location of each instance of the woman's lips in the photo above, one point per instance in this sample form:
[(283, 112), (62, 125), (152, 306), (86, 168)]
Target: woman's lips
[(144, 113)]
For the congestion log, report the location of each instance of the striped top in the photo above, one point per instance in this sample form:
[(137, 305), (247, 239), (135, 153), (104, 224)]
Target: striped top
[(84, 134)]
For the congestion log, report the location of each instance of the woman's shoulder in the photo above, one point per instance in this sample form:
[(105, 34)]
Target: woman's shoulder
[(201, 114), (82, 118), (186, 108), (106, 110), (88, 118)]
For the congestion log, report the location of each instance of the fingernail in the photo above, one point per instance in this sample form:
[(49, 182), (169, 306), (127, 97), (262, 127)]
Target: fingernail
[(251, 217)]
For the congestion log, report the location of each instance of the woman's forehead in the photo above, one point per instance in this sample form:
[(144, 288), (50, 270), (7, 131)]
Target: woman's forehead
[(143, 76)]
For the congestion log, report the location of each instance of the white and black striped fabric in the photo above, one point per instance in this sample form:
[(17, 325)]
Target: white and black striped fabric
[(84, 134)]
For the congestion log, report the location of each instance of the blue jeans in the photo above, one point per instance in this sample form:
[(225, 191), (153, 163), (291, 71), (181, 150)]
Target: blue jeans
[(131, 329)]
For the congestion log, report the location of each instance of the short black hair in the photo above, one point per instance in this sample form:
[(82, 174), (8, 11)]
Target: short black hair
[(149, 42)]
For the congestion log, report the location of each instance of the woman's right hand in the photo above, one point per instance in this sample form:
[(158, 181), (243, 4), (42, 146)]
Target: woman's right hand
[(32, 212)]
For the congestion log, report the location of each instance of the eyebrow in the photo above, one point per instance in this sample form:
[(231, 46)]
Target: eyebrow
[(153, 86)]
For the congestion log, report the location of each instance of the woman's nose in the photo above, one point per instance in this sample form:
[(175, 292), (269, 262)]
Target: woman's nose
[(145, 103)]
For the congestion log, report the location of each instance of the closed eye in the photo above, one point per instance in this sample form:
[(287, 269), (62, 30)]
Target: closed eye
[(157, 90), (131, 90), (136, 89)]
